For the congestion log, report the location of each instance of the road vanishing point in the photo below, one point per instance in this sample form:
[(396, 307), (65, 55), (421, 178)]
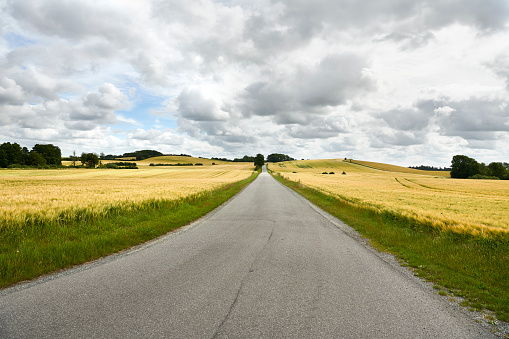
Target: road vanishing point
[(267, 264)]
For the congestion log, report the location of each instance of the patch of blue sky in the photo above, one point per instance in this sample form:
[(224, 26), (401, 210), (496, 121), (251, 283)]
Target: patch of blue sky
[(16, 40), (147, 110)]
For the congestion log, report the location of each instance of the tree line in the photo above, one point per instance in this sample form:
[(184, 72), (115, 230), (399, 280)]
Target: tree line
[(430, 168), (464, 167), (13, 155)]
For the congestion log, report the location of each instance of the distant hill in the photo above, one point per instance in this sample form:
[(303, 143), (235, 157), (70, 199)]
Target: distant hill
[(394, 168), (349, 165)]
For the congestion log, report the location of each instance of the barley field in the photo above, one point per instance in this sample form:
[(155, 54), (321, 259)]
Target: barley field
[(472, 206), (49, 194)]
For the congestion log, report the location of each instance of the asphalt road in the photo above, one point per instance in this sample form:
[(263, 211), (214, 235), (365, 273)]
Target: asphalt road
[(265, 265)]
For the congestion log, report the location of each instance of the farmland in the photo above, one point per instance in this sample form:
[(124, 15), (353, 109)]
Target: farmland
[(53, 219), (471, 206), (47, 194)]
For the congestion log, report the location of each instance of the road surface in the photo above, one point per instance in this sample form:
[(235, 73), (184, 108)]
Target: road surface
[(265, 265)]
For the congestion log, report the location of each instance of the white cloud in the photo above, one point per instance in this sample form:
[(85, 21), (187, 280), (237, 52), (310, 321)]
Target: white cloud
[(194, 105)]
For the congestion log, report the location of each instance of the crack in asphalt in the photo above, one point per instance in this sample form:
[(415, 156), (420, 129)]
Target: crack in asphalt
[(251, 269)]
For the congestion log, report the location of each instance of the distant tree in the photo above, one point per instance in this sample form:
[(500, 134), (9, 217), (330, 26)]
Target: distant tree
[(497, 169), (430, 168), (276, 157), (11, 154), (89, 159), (36, 159), (245, 158), (483, 169), (463, 167), (51, 153), (144, 154), (259, 160), (74, 158)]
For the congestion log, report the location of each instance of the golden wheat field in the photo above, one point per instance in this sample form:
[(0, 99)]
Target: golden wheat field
[(47, 193), (473, 206)]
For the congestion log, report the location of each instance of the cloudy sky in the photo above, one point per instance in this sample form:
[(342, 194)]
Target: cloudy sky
[(395, 81)]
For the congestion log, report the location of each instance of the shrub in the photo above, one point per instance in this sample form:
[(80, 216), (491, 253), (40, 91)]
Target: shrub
[(331, 173), (480, 176)]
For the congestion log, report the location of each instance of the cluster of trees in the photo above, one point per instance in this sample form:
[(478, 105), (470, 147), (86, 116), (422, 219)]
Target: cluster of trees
[(276, 157), (464, 167), (245, 158), (90, 160), (121, 165), (259, 161), (143, 154), (429, 168), (179, 164), (13, 155)]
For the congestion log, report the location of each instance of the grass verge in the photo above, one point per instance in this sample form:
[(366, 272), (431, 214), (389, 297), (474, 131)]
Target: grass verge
[(40, 247), (475, 268)]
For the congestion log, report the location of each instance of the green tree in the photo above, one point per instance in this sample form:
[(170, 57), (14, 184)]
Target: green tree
[(89, 159), (11, 154), (36, 159), (259, 160), (51, 153), (276, 157), (463, 167), (497, 169)]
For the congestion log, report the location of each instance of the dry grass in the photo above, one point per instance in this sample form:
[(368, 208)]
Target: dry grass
[(46, 194), (472, 206)]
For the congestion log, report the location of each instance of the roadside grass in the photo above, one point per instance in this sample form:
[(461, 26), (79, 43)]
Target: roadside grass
[(473, 267), (41, 246)]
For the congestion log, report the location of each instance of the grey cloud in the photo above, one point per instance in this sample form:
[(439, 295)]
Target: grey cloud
[(80, 125), (312, 16), (320, 130), (410, 119), (335, 79), (289, 118), (485, 14), (472, 119), (270, 37), (73, 20), (382, 139), (309, 16), (291, 98), (501, 67), (409, 40), (264, 99), (475, 119)]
